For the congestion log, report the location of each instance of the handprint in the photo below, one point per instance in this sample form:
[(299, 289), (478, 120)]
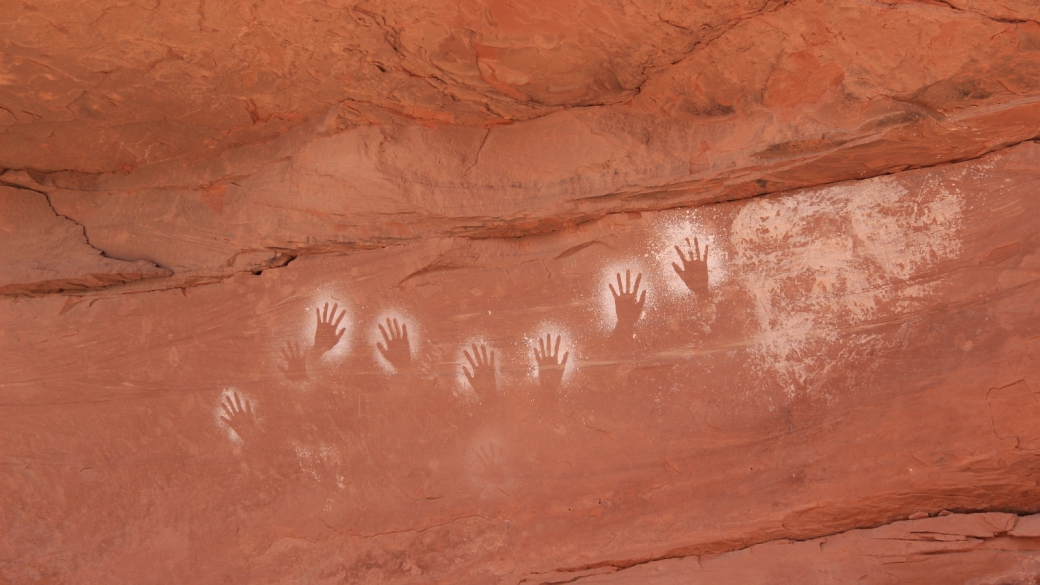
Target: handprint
[(397, 350), (626, 305), (694, 271), (295, 362), (483, 377), (550, 367), (490, 461), (325, 336), (238, 414)]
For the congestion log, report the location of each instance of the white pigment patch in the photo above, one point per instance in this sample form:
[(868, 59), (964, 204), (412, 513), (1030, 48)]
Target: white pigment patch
[(817, 263), (323, 455)]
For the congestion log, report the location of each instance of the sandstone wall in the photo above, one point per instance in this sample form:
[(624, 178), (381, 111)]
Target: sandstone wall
[(476, 293)]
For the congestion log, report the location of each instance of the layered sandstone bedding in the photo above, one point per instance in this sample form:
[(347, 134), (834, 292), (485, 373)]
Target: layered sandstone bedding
[(742, 291)]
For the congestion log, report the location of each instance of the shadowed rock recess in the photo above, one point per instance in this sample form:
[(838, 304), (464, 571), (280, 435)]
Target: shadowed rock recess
[(520, 293)]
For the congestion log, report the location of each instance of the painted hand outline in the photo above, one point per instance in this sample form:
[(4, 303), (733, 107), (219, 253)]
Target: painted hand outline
[(694, 271), (626, 304), (483, 377), (239, 415), (397, 350), (295, 362), (489, 458), (325, 336), (550, 367)]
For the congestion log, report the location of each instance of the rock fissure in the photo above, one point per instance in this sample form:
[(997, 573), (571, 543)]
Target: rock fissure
[(713, 550), (481, 229)]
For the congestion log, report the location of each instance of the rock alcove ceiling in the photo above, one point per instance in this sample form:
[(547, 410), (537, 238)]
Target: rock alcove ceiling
[(727, 291)]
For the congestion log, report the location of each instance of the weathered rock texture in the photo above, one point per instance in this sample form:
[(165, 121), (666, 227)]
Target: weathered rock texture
[(731, 292)]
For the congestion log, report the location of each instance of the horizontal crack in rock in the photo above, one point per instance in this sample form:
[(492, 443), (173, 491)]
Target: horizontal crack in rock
[(566, 574)]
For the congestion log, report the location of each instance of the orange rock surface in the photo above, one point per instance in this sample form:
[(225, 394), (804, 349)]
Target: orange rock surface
[(740, 291)]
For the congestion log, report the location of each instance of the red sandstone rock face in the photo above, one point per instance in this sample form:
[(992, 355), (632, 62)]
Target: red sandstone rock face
[(733, 292), (846, 356)]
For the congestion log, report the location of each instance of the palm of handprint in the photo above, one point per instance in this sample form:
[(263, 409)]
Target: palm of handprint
[(325, 336), (295, 362), (628, 303), (550, 367), (239, 415), (397, 350), (483, 377), (694, 271)]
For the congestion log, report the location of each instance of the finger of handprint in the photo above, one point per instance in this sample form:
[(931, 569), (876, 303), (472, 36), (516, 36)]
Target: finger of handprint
[(228, 410), (678, 270), (238, 401), (492, 363), (484, 356), (469, 359), (705, 257), (556, 351), (381, 349), (386, 337), (635, 288), (340, 334), (565, 355), (696, 248), (620, 287), (226, 420), (468, 375), (628, 281), (338, 319), (541, 344), (325, 313), (317, 313), (642, 299), (614, 292), (681, 257), (283, 370), (404, 331), (397, 329), (285, 354)]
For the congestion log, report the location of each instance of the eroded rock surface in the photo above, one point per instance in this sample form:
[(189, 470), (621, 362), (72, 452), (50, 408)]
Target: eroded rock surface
[(731, 292), (47, 253)]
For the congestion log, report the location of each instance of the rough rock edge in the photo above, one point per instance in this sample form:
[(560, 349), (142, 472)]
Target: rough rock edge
[(138, 269), (283, 256), (1029, 522)]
